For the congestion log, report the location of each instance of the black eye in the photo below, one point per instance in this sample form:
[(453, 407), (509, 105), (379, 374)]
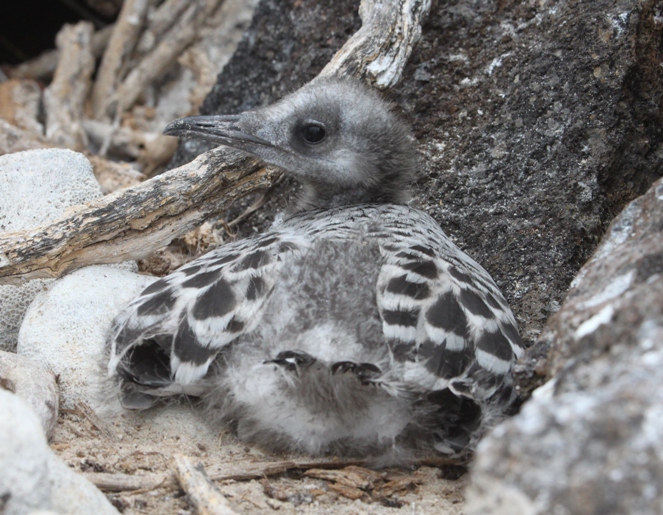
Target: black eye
[(313, 133)]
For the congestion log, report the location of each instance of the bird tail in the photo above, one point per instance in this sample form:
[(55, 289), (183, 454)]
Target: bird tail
[(145, 378)]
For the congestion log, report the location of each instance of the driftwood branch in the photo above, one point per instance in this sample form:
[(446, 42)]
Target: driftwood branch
[(378, 51), (133, 223), (174, 42), (65, 97), (237, 472), (43, 66), (202, 493), (122, 41)]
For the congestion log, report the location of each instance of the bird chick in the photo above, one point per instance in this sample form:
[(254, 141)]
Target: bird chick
[(354, 327)]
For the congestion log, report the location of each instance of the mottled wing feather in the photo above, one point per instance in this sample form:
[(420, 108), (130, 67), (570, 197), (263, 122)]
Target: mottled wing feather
[(444, 316), (206, 304)]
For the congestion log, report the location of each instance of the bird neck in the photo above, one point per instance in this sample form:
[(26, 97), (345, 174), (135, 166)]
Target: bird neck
[(324, 196)]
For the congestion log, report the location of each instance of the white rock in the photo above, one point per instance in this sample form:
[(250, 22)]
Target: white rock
[(66, 327), (33, 383), (37, 187), (32, 478)]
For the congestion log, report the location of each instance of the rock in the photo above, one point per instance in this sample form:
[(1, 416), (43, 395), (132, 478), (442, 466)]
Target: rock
[(66, 328), (34, 384), (593, 441), (537, 122), (37, 187), (31, 477)]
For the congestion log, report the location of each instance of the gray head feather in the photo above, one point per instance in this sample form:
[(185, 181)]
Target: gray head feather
[(336, 136)]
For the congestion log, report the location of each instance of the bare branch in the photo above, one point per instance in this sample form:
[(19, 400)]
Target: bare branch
[(240, 471), (379, 50), (178, 38), (122, 42), (44, 65), (65, 97), (132, 223), (203, 494)]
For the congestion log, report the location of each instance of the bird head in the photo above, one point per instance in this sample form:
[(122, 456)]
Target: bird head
[(336, 136)]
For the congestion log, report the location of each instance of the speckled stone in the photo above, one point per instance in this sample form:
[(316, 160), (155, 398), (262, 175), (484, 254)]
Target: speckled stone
[(32, 478), (591, 440), (66, 327), (37, 187)]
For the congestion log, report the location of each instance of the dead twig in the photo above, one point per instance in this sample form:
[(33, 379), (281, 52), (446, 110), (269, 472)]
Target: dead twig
[(379, 50), (94, 419), (107, 482), (254, 470), (132, 223), (177, 39), (203, 494), (122, 42), (65, 97), (159, 22)]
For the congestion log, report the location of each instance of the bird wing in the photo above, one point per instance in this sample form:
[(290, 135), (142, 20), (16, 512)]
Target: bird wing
[(446, 321), (196, 311)]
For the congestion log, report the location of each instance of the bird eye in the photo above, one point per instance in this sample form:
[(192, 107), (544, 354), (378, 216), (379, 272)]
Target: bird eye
[(313, 133)]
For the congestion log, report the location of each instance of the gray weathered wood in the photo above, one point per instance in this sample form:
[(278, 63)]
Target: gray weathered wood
[(131, 223), (378, 51), (203, 494)]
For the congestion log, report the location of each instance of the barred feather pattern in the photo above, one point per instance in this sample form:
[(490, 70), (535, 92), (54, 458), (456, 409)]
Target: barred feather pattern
[(447, 336)]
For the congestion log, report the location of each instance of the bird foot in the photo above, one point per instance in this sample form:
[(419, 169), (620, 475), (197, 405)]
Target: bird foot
[(292, 360), (365, 372)]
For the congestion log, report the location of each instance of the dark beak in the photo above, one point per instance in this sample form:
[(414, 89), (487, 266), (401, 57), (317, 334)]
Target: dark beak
[(218, 129)]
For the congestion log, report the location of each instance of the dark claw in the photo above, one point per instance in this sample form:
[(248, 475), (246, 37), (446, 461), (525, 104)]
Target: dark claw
[(292, 359), (365, 372), (343, 367)]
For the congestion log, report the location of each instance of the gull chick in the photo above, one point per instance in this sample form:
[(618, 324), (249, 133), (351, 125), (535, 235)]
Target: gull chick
[(354, 326)]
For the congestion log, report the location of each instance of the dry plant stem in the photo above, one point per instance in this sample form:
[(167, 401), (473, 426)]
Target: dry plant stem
[(178, 38), (379, 50), (43, 66), (160, 21), (203, 494), (234, 472), (107, 482), (122, 41), (132, 223), (65, 97)]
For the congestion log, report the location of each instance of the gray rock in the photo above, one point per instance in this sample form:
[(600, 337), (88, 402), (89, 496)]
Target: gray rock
[(31, 477), (66, 327), (593, 441), (37, 187), (34, 384)]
